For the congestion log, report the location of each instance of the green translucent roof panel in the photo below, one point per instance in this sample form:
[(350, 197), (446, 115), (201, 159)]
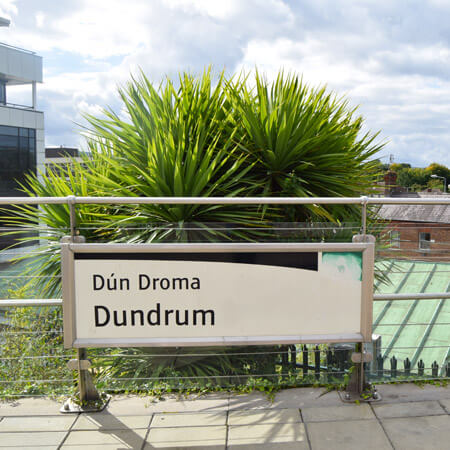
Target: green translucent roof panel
[(414, 329)]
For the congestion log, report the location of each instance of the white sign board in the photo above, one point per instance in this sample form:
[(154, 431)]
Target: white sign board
[(216, 294)]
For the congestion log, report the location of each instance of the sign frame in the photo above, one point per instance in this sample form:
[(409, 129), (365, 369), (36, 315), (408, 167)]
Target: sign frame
[(69, 249)]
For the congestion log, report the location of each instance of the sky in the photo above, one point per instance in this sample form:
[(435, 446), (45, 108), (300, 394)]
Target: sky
[(389, 58)]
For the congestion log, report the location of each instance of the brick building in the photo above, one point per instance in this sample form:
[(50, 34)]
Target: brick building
[(420, 232)]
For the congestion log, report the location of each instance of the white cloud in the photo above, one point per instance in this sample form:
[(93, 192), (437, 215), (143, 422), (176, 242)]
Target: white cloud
[(40, 19), (7, 8), (392, 59)]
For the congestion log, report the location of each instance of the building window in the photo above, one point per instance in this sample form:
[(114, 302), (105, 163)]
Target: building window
[(17, 157), (424, 241), (2, 92), (394, 236)]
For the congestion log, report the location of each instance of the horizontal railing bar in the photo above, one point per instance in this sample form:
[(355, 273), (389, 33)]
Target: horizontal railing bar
[(422, 296), (31, 302), (227, 200), (376, 297)]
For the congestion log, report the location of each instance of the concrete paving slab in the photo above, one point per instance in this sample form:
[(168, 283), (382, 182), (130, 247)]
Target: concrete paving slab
[(410, 433), (446, 404), (199, 446), (120, 446), (263, 416), (189, 419), (333, 413), (28, 440), (300, 445), (121, 438), (180, 437), (133, 405), (253, 400), (410, 392), (268, 433), (409, 409), (30, 407), (110, 422), (286, 399), (39, 447), (306, 397), (37, 423), (348, 435)]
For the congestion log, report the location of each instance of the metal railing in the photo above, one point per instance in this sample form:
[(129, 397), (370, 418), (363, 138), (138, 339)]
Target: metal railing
[(286, 365)]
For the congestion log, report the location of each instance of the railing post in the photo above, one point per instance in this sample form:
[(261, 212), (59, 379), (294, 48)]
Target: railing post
[(89, 398), (434, 369), (420, 368), (317, 362), (364, 201), (393, 367), (407, 366), (305, 360)]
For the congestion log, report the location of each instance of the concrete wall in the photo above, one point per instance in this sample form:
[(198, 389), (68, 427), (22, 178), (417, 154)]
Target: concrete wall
[(19, 66)]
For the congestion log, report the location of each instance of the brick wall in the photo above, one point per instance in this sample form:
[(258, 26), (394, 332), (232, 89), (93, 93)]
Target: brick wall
[(439, 245)]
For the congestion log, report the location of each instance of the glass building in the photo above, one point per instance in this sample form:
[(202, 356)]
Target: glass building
[(17, 157), (22, 148)]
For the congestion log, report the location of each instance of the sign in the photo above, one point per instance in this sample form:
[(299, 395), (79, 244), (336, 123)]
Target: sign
[(216, 294)]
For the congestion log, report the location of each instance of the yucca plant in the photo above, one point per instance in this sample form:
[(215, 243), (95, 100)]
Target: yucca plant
[(203, 137)]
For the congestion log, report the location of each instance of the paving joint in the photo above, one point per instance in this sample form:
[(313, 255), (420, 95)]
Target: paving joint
[(444, 408), (227, 429), (144, 443), (68, 431), (308, 440), (382, 426)]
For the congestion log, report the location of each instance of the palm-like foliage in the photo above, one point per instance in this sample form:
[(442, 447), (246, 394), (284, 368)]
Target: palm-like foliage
[(303, 142), (205, 139)]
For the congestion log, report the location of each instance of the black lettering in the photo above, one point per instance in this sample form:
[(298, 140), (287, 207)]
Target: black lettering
[(168, 313), (111, 283), (178, 283), (126, 282), (203, 314), (105, 322), (98, 281), (124, 319), (135, 312), (195, 283), (157, 313), (186, 317), (166, 284), (144, 281)]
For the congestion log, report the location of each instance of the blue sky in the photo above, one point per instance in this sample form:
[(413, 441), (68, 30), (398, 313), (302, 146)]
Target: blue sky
[(392, 58)]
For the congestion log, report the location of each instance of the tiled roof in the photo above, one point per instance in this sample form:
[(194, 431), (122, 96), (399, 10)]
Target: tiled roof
[(415, 213)]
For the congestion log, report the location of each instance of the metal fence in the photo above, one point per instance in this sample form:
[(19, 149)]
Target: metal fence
[(34, 362)]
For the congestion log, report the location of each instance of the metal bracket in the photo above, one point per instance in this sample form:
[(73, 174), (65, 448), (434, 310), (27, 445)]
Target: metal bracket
[(75, 364), (363, 357), (71, 407), (364, 238), (369, 395), (89, 399)]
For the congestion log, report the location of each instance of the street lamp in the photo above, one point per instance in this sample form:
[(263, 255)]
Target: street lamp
[(442, 178)]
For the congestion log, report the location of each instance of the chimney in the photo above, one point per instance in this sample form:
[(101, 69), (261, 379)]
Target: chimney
[(390, 182)]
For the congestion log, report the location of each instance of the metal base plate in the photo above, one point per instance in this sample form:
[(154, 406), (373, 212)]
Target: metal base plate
[(71, 407), (355, 397)]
